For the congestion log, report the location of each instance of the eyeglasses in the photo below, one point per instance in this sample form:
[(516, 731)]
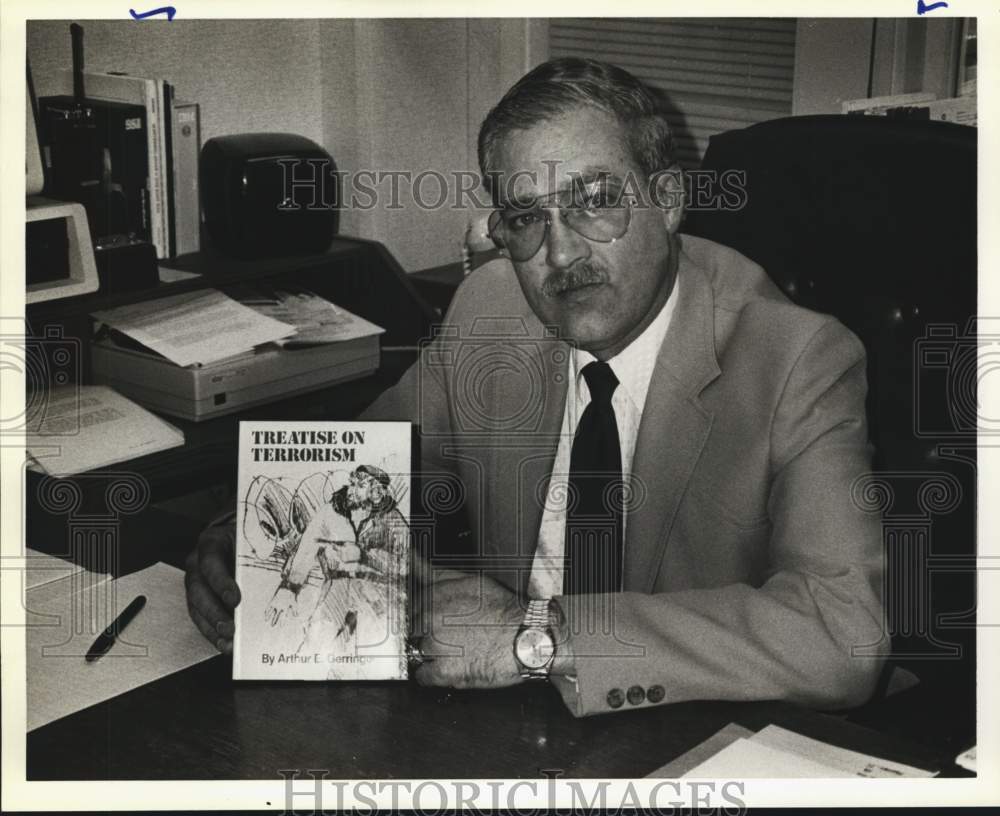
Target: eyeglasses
[(598, 212)]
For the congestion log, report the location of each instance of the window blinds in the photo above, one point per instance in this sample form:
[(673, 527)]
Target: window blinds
[(719, 74)]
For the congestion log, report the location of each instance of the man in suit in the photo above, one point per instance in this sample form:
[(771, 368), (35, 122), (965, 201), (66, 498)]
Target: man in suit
[(659, 455)]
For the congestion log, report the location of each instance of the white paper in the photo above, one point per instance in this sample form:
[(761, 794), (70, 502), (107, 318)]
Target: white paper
[(967, 759), (856, 763), (160, 641), (195, 327), (80, 428), (42, 568), (776, 753), (745, 759)]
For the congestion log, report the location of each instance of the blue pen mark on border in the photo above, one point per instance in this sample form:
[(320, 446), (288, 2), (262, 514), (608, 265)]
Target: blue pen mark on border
[(923, 8), (170, 11)]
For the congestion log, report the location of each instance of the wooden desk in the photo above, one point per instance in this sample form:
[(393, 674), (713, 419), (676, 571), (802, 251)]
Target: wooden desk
[(198, 724)]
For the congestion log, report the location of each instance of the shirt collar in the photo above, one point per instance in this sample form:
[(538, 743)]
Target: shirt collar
[(633, 365)]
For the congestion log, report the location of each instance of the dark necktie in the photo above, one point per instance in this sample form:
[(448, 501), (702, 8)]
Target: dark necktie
[(595, 511)]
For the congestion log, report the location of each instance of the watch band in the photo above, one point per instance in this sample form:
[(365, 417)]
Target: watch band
[(538, 615)]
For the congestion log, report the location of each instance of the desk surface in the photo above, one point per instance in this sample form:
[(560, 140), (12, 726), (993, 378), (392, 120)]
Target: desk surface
[(198, 724)]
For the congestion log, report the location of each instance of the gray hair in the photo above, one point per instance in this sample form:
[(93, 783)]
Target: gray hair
[(559, 85)]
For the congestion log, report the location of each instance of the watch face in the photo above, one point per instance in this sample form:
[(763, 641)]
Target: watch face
[(534, 648)]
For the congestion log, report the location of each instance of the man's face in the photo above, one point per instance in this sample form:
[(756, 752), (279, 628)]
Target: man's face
[(601, 295), (358, 490)]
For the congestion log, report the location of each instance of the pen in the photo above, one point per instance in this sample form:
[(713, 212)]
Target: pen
[(106, 639)]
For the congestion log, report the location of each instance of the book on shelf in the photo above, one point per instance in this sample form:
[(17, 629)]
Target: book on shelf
[(155, 95), (322, 551), (100, 161), (77, 428)]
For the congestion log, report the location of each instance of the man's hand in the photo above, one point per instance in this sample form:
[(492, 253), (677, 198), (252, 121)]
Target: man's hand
[(212, 594), (466, 626)]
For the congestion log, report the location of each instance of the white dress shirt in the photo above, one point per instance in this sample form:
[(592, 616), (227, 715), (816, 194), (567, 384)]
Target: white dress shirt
[(633, 367)]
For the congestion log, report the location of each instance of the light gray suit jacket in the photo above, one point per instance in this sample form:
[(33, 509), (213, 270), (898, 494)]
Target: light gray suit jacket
[(752, 570)]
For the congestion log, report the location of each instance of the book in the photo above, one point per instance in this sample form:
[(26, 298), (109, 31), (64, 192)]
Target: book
[(322, 551), (152, 94), (186, 140), (100, 160), (167, 102), (83, 427)]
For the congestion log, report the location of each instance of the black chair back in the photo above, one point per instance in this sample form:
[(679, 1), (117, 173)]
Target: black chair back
[(873, 220)]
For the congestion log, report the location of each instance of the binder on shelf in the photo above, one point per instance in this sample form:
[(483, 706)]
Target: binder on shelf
[(153, 94), (186, 146)]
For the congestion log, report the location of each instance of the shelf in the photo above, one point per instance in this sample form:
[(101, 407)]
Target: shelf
[(213, 270)]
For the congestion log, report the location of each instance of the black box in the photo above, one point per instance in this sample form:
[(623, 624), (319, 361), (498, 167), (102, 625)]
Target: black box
[(268, 194)]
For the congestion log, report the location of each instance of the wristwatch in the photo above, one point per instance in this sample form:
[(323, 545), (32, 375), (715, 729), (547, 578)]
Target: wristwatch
[(535, 642)]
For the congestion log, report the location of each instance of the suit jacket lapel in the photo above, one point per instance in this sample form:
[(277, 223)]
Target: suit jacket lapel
[(674, 426), (524, 457)]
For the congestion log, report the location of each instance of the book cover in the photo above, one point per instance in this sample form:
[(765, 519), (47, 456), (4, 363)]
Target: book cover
[(100, 160), (322, 551)]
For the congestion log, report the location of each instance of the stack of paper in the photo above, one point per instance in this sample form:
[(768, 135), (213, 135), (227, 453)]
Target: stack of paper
[(777, 753), (42, 568), (195, 328), (315, 319), (80, 428), (161, 640)]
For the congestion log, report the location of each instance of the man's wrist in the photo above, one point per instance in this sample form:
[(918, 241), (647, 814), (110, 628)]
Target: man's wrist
[(564, 663)]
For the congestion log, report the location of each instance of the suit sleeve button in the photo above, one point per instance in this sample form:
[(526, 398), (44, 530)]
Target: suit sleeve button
[(616, 697), (636, 694), (655, 694)]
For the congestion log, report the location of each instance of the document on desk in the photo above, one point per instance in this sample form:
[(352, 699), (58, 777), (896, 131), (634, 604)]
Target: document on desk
[(42, 568), (777, 753), (83, 427), (316, 320), (160, 641), (195, 327)]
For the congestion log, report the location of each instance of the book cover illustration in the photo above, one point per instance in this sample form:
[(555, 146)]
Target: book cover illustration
[(322, 551)]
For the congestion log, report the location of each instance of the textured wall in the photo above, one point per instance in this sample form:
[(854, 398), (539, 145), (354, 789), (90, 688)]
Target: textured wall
[(831, 63), (248, 75), (377, 94)]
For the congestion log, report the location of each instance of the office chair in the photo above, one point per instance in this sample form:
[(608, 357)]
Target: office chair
[(873, 220)]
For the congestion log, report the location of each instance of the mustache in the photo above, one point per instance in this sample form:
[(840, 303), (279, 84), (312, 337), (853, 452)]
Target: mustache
[(581, 275)]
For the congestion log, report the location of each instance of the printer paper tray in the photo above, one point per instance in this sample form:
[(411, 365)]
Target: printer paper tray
[(198, 393)]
